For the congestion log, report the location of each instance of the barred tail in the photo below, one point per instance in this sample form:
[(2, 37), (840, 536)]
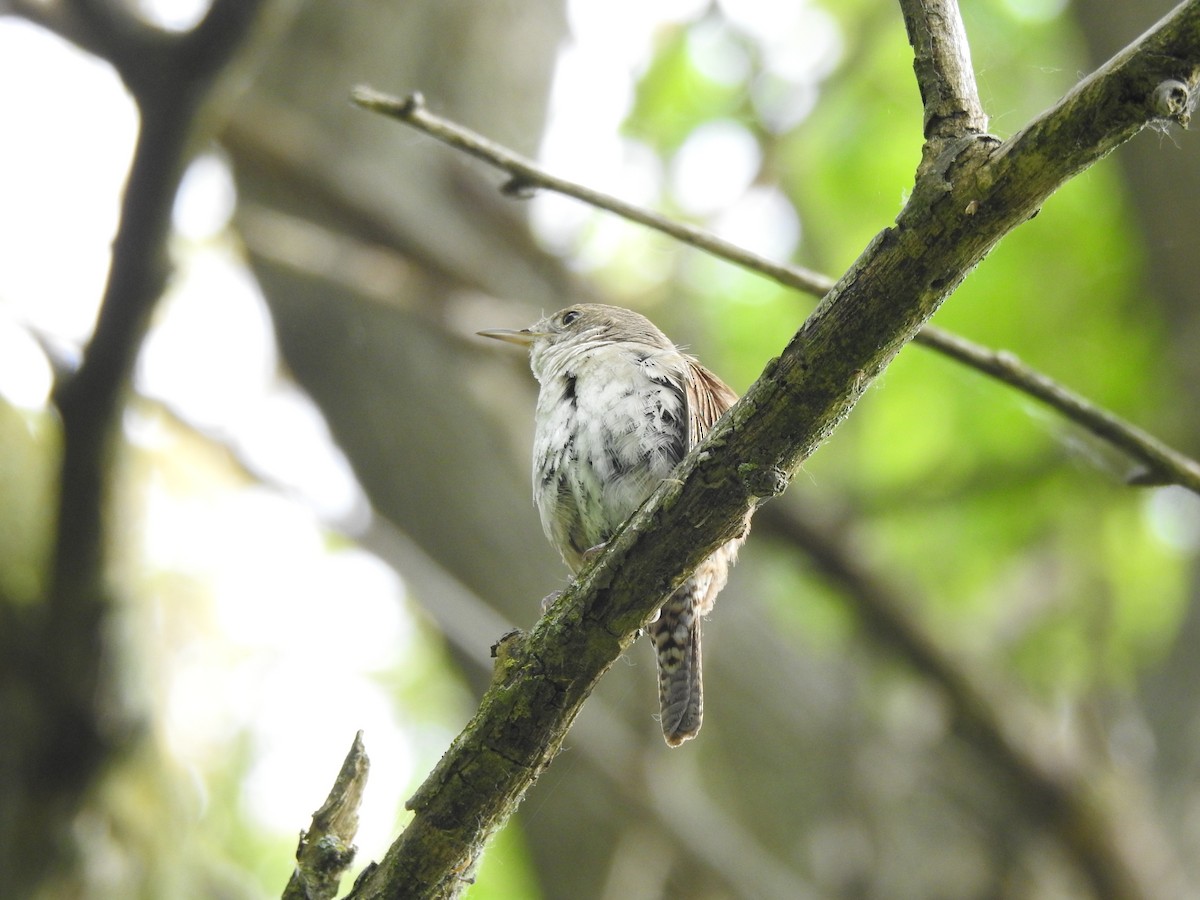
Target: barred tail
[(676, 636)]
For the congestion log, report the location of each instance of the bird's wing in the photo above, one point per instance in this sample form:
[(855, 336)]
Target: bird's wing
[(707, 398)]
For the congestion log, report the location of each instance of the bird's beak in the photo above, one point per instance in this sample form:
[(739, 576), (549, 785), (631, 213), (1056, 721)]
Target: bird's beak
[(523, 338)]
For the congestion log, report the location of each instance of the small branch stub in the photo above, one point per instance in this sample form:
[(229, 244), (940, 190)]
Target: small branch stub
[(763, 482), (507, 652), (327, 849), (1172, 100)]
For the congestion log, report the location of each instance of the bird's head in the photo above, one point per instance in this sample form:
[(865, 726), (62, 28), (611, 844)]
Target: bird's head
[(583, 326)]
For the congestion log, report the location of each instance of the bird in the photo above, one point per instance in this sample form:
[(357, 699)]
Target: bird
[(619, 406)]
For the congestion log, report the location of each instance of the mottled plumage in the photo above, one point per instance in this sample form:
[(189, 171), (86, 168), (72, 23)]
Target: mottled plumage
[(619, 407)]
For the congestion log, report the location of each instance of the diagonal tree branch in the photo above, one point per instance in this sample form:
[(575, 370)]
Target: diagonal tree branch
[(731, 851), (971, 195), (615, 752), (1159, 463)]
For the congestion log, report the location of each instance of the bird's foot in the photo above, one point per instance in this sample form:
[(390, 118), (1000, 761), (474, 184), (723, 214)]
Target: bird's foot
[(590, 554), (549, 600)]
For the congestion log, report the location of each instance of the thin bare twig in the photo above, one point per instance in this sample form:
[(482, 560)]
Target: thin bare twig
[(526, 176), (1162, 464)]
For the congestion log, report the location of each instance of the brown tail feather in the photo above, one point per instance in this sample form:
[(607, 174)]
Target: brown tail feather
[(676, 636)]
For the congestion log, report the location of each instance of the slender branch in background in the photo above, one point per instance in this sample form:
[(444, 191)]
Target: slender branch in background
[(1107, 839), (945, 77), (526, 177), (90, 400), (1163, 465)]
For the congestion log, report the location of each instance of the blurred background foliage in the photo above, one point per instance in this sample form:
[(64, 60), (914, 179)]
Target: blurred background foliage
[(287, 577)]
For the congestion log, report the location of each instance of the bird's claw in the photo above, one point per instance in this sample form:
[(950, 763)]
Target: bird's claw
[(592, 552), (549, 600)]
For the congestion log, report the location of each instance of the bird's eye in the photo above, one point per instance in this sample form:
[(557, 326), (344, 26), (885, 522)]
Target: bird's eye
[(570, 316)]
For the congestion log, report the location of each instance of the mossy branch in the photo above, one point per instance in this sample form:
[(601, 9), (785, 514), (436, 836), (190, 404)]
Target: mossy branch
[(974, 190)]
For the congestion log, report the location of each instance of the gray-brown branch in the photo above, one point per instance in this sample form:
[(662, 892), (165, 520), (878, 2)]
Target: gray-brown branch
[(942, 63), (970, 196), (1159, 463)]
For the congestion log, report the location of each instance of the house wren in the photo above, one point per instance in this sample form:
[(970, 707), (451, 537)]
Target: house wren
[(619, 407)]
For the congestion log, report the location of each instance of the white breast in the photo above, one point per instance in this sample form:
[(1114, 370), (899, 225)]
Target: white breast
[(611, 424)]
